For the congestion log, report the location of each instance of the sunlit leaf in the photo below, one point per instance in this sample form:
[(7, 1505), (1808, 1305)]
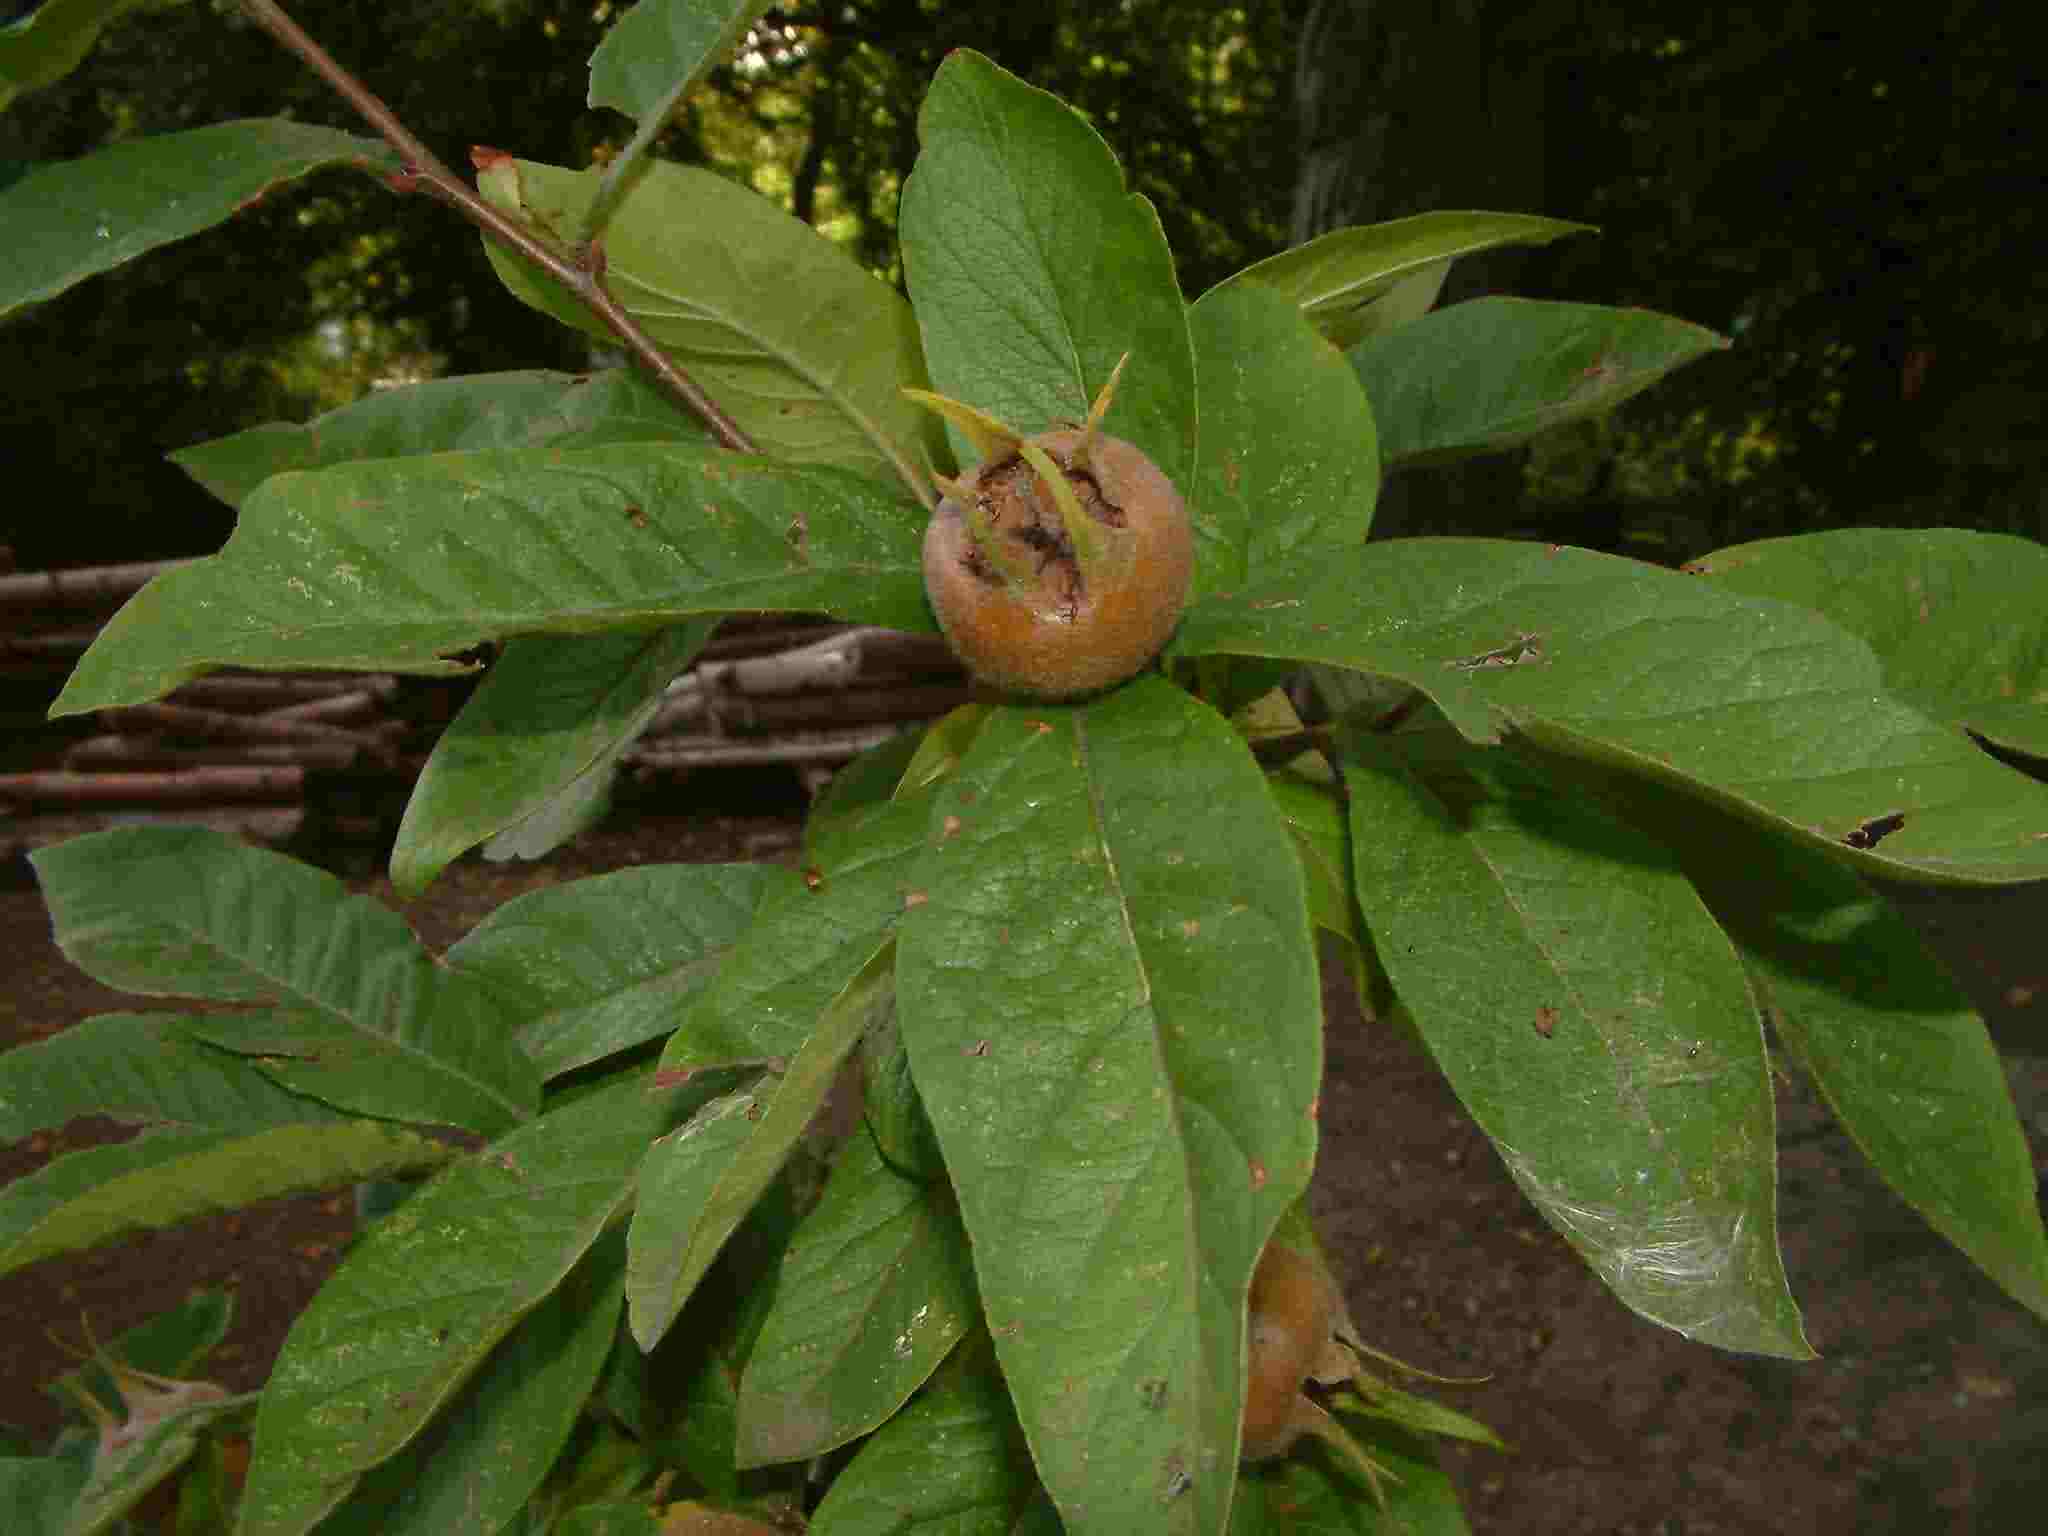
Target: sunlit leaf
[(660, 48)]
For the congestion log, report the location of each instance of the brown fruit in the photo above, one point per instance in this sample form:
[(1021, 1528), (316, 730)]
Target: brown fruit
[(1292, 1311), (1057, 590)]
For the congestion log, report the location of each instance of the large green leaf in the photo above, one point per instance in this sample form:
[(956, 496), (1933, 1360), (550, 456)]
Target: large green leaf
[(1034, 270), (696, 1188), (1288, 458), (70, 220), (1490, 373), (479, 410), (402, 564), (1368, 279), (801, 346), (660, 48), (50, 41), (1762, 707), (1122, 1130), (809, 939), (953, 1463), (1593, 1019), (876, 1287), (598, 966), (494, 1445), (365, 1020), (165, 1177), (537, 744), (428, 1292), (1958, 618)]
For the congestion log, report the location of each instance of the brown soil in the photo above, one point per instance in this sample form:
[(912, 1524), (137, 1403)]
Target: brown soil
[(1927, 1413)]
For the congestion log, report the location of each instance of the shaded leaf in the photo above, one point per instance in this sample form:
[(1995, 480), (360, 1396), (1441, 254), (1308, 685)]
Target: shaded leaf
[(953, 1461), (1123, 1133), (478, 410), (1594, 1021), (698, 1184), (1490, 373), (426, 1294), (612, 1519), (876, 1288), (169, 1344), (1034, 271), (1757, 706), (1306, 1494), (369, 1022), (1288, 460), (163, 1178), (799, 344), (71, 220), (660, 48), (402, 564), (598, 966), (537, 743), (1957, 618), (1371, 278)]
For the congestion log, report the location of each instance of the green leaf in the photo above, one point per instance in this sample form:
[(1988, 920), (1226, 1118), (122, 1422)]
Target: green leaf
[(953, 1462), (808, 941), (426, 1294), (488, 1453), (612, 1519), (41, 1490), (1485, 375), (44, 46), (169, 1344), (1122, 1131), (369, 1023), (1307, 1494), (71, 220), (1956, 617), (697, 1185), (598, 966), (805, 349), (875, 1290), (660, 48), (1370, 279), (163, 1178), (1594, 1020), (480, 410), (1014, 195), (1288, 457), (1760, 707), (401, 564), (540, 736)]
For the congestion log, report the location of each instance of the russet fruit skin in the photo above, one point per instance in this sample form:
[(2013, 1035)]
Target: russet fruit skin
[(1291, 1312), (1045, 627)]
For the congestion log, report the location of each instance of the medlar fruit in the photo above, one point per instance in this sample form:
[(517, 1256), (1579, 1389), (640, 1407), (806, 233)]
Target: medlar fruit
[(1059, 566)]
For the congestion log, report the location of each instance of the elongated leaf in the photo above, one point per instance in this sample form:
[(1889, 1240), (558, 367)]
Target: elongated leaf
[(660, 48), (430, 1290), (1596, 1023), (400, 564), (164, 1178), (1312, 1495), (802, 347), (876, 1288), (1288, 461), (1490, 373), (1014, 195), (74, 219), (598, 966), (954, 1461), (169, 1344), (1369, 279), (45, 45), (695, 1189), (1902, 1059), (148, 1450), (373, 1025), (808, 941), (1761, 707), (543, 731), (480, 410), (1958, 618), (1123, 1132), (491, 1450)]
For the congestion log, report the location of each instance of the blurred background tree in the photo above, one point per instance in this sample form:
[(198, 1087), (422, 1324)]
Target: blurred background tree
[(1848, 193)]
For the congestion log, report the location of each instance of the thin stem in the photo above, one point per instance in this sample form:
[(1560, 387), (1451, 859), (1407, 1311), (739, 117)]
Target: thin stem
[(584, 277)]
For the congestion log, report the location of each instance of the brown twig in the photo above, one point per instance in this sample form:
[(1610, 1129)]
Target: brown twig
[(582, 275)]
